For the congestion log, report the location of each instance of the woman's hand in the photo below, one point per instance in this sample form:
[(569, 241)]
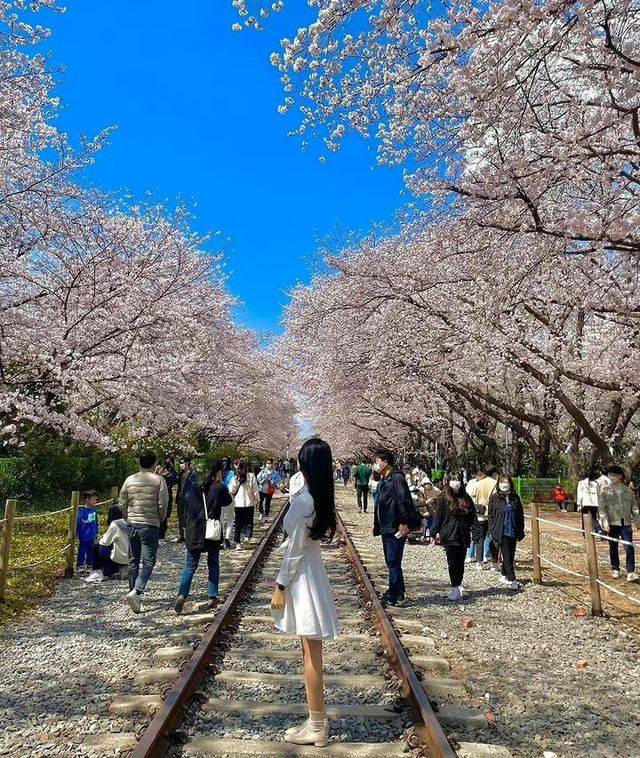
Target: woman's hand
[(278, 600)]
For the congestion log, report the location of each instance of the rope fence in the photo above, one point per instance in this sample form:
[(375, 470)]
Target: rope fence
[(595, 583), (8, 537)]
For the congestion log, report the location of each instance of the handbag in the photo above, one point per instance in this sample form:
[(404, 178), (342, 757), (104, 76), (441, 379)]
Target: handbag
[(271, 490), (213, 526)]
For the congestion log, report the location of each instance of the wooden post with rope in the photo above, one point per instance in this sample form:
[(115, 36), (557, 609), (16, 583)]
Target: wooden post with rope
[(5, 549), (592, 564)]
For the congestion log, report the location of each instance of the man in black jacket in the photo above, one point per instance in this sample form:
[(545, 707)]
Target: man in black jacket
[(393, 507)]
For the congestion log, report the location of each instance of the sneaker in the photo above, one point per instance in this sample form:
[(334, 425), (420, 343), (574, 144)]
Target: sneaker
[(179, 604), (300, 727), (615, 573), (632, 577), (401, 601), (385, 600), (135, 601), (454, 594), (504, 580), (469, 559), (95, 576), (212, 602), (260, 517), (514, 585), (238, 546), (463, 591)]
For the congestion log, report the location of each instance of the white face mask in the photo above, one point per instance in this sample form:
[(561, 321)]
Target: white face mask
[(454, 484), (504, 487), (269, 467), (183, 466), (377, 467)]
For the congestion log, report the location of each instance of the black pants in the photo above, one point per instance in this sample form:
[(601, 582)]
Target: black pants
[(455, 560), (480, 529), (180, 509), (508, 547), (592, 511), (265, 503), (393, 551), (244, 523), (363, 497), (164, 524)]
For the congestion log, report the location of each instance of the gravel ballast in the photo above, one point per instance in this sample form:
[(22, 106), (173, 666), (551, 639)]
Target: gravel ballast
[(523, 657)]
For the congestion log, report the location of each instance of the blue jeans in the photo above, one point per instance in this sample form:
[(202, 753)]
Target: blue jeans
[(143, 546), (622, 533), (190, 566), (393, 550), (85, 553)]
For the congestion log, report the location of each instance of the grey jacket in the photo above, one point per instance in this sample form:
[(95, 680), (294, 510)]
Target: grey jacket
[(144, 498), (617, 504)]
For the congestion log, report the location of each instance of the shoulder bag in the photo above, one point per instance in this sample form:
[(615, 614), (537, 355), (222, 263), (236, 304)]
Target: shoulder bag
[(213, 527)]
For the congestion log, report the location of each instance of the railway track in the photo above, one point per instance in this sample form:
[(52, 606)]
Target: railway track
[(228, 684)]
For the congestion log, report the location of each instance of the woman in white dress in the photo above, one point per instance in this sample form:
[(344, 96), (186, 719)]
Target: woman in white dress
[(302, 601)]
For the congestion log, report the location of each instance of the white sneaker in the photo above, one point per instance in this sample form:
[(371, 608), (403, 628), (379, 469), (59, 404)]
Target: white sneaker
[(95, 576), (134, 600), (454, 594), (632, 577), (468, 559), (504, 580), (260, 517), (514, 585), (615, 574), (238, 546)]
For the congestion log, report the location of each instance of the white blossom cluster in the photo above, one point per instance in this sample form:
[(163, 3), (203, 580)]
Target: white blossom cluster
[(115, 319)]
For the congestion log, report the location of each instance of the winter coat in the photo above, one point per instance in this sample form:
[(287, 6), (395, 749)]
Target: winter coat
[(497, 503), (144, 498), (217, 498), (394, 504), (616, 505), (453, 528)]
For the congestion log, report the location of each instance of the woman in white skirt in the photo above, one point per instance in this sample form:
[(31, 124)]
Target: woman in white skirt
[(302, 602)]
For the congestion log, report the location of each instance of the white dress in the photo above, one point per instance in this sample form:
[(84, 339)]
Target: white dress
[(310, 610)]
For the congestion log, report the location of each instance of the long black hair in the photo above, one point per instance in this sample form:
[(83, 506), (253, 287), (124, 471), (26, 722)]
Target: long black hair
[(114, 513), (458, 503), (215, 467), (316, 464), (243, 467)]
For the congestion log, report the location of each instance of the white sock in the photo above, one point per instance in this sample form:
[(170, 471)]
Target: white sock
[(316, 720)]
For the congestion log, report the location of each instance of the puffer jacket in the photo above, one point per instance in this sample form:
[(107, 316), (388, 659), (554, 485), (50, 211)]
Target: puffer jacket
[(617, 504), (144, 498)]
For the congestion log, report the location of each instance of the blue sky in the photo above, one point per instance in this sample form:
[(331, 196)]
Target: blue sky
[(196, 109)]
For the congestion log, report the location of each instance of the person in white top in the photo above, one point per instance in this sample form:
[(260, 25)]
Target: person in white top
[(302, 602), (246, 495), (111, 552), (472, 490), (588, 497)]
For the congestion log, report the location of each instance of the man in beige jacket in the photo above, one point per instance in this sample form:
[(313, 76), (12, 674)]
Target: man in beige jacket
[(143, 498)]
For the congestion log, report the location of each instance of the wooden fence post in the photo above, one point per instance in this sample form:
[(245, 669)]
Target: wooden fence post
[(115, 491), (71, 534), (592, 564), (5, 550), (535, 544)]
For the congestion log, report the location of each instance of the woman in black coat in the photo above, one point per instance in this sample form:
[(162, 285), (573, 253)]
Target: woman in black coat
[(506, 526), (455, 514), (214, 496)]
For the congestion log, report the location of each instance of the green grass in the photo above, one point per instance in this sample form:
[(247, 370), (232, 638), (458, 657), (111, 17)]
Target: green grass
[(33, 541)]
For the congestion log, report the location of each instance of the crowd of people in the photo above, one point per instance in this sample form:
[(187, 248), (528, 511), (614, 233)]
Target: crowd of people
[(478, 519), (226, 496)]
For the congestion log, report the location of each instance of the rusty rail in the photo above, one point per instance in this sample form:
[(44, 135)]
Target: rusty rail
[(156, 739), (428, 729)]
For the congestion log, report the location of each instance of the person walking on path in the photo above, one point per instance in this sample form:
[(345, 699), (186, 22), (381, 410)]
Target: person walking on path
[(188, 486), (485, 485), (246, 495), (302, 602), (87, 530), (588, 499), (268, 481), (143, 500), (215, 496), (618, 510), (111, 553), (506, 526), (455, 514), (391, 515), (362, 474), (228, 512), (346, 473), (170, 475)]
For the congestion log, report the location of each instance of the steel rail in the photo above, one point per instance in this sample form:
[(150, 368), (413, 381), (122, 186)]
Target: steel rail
[(155, 740), (429, 729)]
